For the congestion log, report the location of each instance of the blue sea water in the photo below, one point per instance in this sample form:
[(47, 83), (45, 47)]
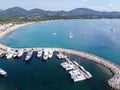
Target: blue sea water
[(99, 38), (39, 75)]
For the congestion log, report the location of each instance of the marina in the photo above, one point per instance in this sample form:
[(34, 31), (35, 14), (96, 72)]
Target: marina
[(92, 43), (78, 73)]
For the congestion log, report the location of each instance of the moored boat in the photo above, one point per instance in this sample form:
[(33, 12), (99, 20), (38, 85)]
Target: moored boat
[(3, 72), (29, 55), (20, 53), (10, 54), (50, 53), (45, 56), (83, 69), (39, 53)]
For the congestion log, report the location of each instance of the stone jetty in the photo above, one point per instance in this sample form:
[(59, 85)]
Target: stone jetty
[(113, 82)]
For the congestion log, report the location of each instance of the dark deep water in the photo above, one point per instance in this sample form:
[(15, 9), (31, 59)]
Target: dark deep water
[(40, 75)]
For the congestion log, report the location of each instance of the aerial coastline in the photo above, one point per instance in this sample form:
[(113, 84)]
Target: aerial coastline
[(112, 66), (7, 29), (64, 45)]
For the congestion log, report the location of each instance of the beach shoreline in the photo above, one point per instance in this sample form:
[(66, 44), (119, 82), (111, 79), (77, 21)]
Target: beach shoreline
[(16, 26), (114, 68), (12, 28)]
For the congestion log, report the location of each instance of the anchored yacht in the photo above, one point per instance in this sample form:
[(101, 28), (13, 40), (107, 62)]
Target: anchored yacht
[(70, 35)]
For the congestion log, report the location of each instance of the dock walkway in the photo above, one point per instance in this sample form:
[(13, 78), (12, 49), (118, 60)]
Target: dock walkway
[(114, 82), (76, 67)]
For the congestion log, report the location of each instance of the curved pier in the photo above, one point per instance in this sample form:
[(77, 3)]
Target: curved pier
[(114, 82)]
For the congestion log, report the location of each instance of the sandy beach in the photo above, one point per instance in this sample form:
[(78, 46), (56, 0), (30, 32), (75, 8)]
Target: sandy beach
[(12, 28), (8, 29)]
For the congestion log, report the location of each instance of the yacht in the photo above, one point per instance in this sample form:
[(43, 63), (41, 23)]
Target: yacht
[(60, 56), (67, 66), (29, 55), (76, 75), (70, 35), (15, 54), (20, 53), (54, 33), (83, 69), (45, 56), (2, 72), (50, 53), (39, 53), (10, 54)]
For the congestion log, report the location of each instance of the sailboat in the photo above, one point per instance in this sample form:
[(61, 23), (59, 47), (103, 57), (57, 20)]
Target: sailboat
[(70, 35)]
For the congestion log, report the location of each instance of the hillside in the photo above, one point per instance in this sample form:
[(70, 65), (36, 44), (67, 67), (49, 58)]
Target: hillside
[(39, 14)]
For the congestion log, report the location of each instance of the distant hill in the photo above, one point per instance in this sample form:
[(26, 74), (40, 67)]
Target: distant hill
[(78, 13), (14, 12), (83, 11), (36, 12), (1, 10)]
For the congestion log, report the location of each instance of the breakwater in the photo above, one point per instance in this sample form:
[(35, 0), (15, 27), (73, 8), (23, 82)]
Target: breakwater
[(113, 82)]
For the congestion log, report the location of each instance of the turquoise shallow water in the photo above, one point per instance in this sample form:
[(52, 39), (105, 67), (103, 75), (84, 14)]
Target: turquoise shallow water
[(99, 40)]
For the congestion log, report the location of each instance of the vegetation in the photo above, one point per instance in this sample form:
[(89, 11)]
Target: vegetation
[(18, 14)]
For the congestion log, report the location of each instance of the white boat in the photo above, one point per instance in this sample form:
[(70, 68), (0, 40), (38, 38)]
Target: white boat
[(39, 53), (50, 53), (54, 33), (83, 69), (2, 72), (76, 75), (67, 66), (60, 56), (73, 72), (45, 56), (15, 54), (20, 53), (29, 55), (70, 35), (10, 54)]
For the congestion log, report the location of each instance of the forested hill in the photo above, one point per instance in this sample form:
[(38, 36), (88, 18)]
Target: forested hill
[(18, 13)]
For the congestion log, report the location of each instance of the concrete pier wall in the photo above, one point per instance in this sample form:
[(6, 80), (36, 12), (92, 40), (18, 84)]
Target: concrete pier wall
[(114, 82)]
